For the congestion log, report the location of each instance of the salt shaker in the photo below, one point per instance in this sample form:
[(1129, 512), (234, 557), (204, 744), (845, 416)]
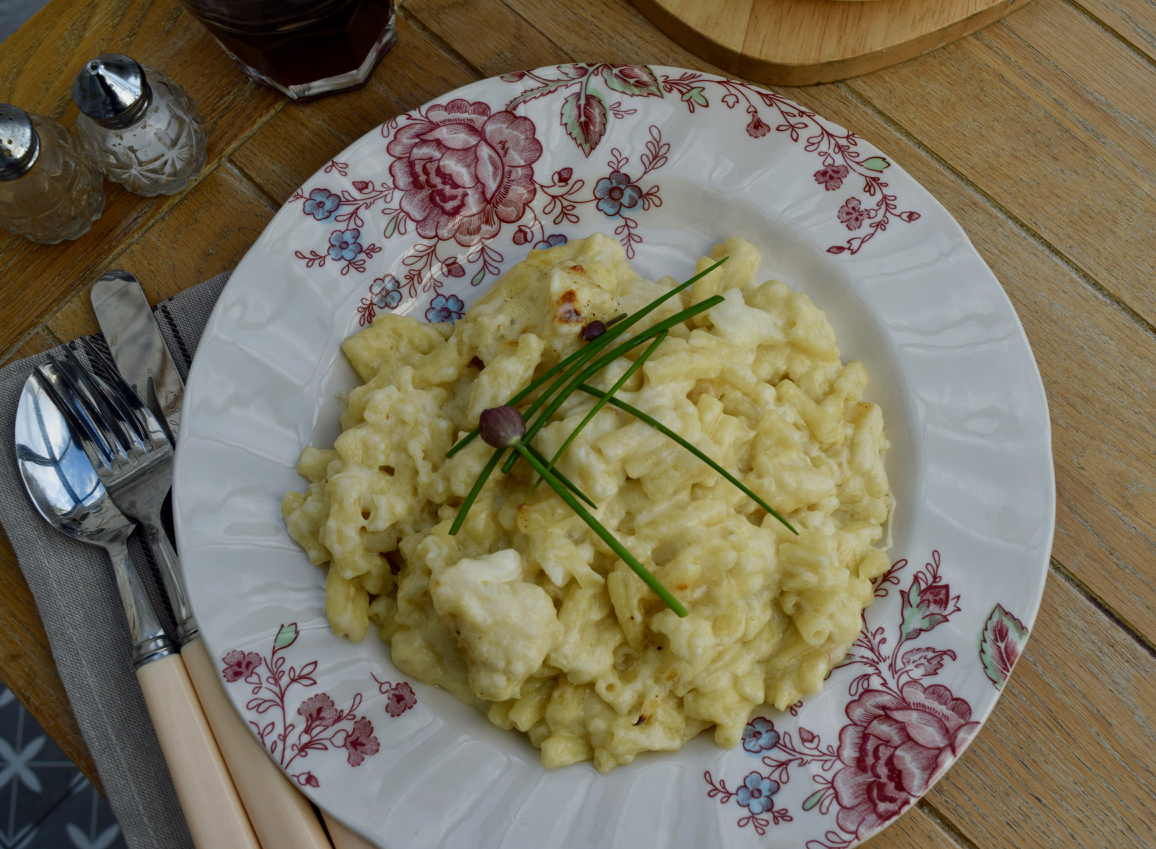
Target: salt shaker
[(49, 190), (140, 126)]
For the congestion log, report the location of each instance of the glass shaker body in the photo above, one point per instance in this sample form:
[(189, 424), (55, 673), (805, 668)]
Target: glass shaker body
[(60, 197), (161, 152)]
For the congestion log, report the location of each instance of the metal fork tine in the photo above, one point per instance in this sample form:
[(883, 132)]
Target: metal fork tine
[(118, 394), (49, 377), (105, 375), (148, 428), (122, 445), (70, 392)]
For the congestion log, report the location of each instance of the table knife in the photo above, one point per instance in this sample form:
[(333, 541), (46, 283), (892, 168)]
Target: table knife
[(138, 349), (279, 813)]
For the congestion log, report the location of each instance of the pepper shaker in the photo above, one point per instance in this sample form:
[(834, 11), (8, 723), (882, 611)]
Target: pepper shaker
[(49, 190), (139, 125)]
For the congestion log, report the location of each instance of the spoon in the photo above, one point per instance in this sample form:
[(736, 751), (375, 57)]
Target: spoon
[(67, 492)]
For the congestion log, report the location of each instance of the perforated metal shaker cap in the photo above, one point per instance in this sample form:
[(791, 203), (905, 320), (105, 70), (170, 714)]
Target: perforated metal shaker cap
[(112, 90), (19, 143)]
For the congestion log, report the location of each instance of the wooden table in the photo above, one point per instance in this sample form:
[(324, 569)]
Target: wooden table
[(1038, 134)]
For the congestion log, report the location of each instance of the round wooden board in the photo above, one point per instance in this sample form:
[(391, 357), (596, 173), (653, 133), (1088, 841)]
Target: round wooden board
[(802, 42)]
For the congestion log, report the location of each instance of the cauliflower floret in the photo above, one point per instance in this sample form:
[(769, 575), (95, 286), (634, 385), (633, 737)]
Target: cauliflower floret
[(506, 625)]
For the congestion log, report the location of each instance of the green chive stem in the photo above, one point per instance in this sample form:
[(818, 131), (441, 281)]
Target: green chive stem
[(587, 351), (596, 526), (663, 429), (602, 403), (475, 491), (572, 382), (566, 481)]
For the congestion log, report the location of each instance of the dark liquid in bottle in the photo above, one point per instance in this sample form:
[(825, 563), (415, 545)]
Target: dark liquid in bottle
[(295, 42)]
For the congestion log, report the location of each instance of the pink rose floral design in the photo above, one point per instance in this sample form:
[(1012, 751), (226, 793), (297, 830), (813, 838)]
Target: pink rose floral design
[(360, 742), (399, 698), (757, 128), (319, 712), (927, 604), (464, 171), (270, 717), (893, 750), (239, 665), (852, 214), (832, 177)]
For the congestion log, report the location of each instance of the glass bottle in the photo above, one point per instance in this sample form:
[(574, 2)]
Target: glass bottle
[(49, 190), (303, 48), (140, 126)]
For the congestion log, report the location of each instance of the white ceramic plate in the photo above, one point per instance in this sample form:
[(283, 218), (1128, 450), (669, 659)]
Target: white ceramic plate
[(422, 215)]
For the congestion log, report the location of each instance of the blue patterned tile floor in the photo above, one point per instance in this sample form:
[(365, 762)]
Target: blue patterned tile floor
[(13, 13), (45, 803)]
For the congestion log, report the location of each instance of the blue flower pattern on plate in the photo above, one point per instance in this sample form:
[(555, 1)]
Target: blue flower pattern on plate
[(756, 792), (445, 308), (551, 241), (386, 292), (321, 204), (615, 192), (760, 736), (345, 244)]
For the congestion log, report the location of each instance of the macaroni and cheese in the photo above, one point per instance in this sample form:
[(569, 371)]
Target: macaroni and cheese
[(526, 613)]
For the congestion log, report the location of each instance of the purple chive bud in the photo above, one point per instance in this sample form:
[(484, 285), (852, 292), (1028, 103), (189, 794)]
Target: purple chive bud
[(501, 426), (593, 330)]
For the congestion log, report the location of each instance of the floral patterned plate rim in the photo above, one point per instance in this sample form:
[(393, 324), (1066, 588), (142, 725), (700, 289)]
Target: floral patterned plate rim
[(420, 216)]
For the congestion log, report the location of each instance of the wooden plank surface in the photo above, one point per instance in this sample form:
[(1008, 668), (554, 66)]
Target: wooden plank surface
[(1037, 134), (37, 66), (207, 232), (803, 42), (1070, 155)]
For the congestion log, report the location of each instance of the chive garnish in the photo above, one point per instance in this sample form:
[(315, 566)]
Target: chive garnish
[(504, 427), (475, 490), (607, 537), (571, 382), (565, 480), (620, 326), (665, 431), (626, 375)]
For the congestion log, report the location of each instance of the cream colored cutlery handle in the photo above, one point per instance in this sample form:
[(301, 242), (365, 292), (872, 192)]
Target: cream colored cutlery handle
[(210, 802), (281, 815), (342, 837)]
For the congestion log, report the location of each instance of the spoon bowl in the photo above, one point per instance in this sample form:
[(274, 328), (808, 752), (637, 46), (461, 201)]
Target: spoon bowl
[(60, 480), (67, 492)]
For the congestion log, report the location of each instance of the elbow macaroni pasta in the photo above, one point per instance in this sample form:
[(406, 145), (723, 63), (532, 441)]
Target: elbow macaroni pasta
[(526, 613)]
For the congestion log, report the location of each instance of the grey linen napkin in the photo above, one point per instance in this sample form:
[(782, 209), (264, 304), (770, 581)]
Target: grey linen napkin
[(75, 593)]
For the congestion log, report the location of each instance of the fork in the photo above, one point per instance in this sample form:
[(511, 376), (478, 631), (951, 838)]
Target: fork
[(213, 809), (138, 476), (135, 466)]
